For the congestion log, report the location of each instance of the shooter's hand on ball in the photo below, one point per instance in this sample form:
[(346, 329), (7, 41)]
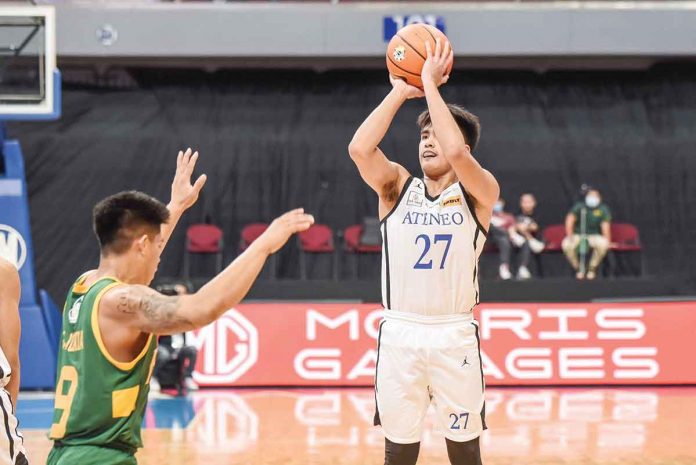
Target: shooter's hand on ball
[(404, 89), (283, 227), (437, 63)]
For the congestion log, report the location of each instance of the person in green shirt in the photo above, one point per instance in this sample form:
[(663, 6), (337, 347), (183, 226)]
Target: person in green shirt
[(587, 225), (111, 319)]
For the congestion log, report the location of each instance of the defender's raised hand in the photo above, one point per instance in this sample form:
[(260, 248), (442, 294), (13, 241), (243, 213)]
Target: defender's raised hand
[(437, 63), (185, 194), (283, 227)]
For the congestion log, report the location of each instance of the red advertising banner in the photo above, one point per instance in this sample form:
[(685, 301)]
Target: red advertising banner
[(278, 344)]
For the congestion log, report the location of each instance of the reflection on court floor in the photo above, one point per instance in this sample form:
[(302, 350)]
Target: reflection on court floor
[(527, 426)]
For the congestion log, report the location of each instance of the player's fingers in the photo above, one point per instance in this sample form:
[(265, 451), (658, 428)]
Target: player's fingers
[(438, 49), (179, 157), (444, 57), (200, 182), (428, 49), (301, 219), (192, 163), (187, 156), (295, 211), (393, 78), (302, 226)]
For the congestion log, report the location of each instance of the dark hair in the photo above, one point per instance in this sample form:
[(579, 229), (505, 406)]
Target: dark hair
[(118, 219), (468, 123)]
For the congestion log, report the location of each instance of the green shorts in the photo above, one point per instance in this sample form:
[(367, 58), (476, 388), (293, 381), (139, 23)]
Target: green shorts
[(89, 455)]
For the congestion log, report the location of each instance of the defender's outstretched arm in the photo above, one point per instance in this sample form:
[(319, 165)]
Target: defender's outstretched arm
[(148, 311)]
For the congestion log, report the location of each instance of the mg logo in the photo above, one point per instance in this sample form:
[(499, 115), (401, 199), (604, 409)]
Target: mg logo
[(228, 348), (13, 248)]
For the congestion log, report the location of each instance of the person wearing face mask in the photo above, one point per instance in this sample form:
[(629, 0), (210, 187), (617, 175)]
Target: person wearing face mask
[(587, 225), (502, 226)]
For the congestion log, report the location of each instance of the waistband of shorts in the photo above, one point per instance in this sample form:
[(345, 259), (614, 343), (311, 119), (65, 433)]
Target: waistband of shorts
[(429, 319), (58, 444)]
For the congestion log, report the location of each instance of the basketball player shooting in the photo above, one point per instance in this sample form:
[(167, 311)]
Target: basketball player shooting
[(11, 442), (433, 231), (110, 319)]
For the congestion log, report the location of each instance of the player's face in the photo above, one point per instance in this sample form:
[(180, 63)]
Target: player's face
[(150, 248), (432, 161), (154, 252)]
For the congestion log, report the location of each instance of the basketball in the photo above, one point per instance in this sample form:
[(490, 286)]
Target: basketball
[(406, 52)]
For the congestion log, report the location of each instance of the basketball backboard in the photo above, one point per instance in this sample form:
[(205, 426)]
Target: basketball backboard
[(29, 78)]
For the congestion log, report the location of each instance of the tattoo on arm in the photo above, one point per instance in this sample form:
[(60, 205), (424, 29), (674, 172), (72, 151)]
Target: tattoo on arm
[(160, 312)]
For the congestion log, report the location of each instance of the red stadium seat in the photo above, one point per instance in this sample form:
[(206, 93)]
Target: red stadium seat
[(625, 238), (625, 244), (352, 237), (203, 239), (553, 237), (249, 234), (319, 239)]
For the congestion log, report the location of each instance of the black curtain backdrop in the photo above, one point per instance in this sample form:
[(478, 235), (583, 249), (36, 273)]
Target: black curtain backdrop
[(273, 140)]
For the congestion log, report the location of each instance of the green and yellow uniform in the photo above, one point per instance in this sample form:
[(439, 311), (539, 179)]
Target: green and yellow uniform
[(100, 402), (594, 217)]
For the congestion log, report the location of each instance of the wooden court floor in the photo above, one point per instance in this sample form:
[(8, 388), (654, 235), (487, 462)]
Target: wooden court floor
[(637, 426)]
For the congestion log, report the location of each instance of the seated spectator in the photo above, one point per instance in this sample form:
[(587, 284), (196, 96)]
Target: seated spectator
[(525, 235), (175, 359), (502, 225), (587, 225)]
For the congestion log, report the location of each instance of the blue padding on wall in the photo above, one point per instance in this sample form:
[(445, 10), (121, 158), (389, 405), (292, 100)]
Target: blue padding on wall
[(52, 320), (15, 234), (40, 334), (36, 350)]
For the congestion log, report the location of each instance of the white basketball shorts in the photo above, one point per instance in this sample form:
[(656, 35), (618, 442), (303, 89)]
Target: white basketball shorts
[(11, 442), (424, 359)]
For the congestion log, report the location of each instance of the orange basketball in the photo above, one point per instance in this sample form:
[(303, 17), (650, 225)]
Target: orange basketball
[(406, 51)]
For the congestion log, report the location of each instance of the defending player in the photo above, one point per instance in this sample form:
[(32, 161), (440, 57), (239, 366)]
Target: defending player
[(108, 346), (11, 442), (433, 231)]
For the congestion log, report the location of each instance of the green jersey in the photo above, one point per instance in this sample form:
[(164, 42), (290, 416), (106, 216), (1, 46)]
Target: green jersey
[(594, 217), (99, 400)]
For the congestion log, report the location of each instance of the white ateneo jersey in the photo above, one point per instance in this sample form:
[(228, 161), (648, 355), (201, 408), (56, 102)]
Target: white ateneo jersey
[(430, 254)]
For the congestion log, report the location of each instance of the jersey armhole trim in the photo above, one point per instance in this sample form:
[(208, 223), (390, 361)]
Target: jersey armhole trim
[(472, 209), (79, 285), (123, 366), (398, 200), (81, 288)]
